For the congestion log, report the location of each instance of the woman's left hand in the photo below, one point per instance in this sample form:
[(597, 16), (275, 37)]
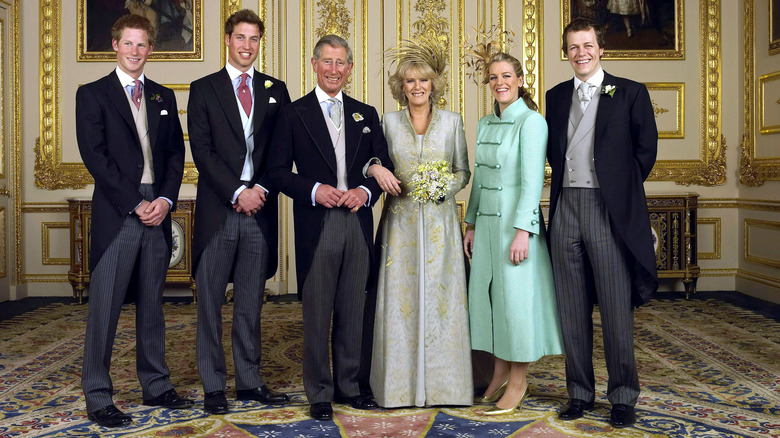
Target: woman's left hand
[(518, 251)]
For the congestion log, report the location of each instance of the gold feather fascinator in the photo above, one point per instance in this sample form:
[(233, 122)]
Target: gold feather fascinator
[(423, 49), (486, 43)]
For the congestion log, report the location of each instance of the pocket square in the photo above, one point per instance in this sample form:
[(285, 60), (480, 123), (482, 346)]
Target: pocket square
[(366, 130), (271, 100), (164, 112)]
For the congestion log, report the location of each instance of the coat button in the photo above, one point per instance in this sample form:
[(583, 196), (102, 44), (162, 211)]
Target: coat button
[(480, 186), (498, 214), (479, 214), (498, 166), (476, 164), (534, 222), (140, 166), (536, 211), (241, 157), (570, 170), (500, 188)]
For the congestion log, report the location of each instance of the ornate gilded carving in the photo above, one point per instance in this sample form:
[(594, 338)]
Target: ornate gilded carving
[(533, 26), (334, 18), (15, 152), (657, 109), (431, 23), (228, 8)]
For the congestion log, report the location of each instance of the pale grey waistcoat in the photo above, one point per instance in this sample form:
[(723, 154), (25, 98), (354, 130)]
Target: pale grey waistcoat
[(580, 136), (139, 115), (340, 148)]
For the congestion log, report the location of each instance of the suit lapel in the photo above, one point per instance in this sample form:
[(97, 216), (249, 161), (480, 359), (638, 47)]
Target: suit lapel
[(606, 106), (313, 120), (152, 111), (118, 96), (226, 95), (353, 130), (563, 107), (261, 103)]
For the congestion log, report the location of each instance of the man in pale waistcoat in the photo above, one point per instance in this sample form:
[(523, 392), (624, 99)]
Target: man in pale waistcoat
[(329, 136), (130, 140), (602, 146), (231, 116)]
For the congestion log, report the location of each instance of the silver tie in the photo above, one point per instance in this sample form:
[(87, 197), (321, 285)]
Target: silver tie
[(583, 92), (334, 111)]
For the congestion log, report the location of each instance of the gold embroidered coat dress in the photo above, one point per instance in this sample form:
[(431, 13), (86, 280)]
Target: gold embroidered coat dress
[(512, 308), (421, 351)]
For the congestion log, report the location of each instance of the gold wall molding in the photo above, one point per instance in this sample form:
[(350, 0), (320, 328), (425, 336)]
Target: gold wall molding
[(710, 168), (757, 277), (3, 133), (746, 204), (767, 225), (753, 171), (533, 27), (334, 18), (3, 244), (727, 272), (228, 8), (679, 107), (762, 82), (190, 171), (716, 233), (45, 278), (46, 258)]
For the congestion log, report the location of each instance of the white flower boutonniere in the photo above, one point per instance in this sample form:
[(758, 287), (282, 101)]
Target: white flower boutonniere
[(366, 130), (609, 89), (357, 117), (268, 84)]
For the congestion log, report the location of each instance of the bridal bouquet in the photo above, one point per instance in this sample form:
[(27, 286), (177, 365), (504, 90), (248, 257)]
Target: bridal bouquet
[(431, 181)]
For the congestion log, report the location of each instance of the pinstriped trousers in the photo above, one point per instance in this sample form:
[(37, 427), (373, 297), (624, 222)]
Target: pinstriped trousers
[(107, 288), (238, 246), (335, 287), (590, 262)]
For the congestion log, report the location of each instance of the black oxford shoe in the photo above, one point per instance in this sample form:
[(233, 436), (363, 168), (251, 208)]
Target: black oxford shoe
[(622, 416), (363, 402), (321, 411), (264, 395), (215, 402), (169, 399), (575, 409), (110, 416)]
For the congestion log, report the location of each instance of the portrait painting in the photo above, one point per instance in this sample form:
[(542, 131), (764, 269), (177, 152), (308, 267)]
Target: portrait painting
[(178, 24), (774, 27), (634, 29)]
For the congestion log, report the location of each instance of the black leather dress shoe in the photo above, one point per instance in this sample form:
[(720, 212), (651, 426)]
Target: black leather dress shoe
[(264, 395), (575, 409), (169, 399), (363, 402), (110, 416), (622, 416), (322, 411), (215, 402)]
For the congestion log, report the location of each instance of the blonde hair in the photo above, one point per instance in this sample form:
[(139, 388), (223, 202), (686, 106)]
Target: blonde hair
[(407, 67), (518, 68)]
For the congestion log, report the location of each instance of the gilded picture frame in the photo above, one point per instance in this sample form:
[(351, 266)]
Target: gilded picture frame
[(634, 30), (678, 109), (774, 27), (179, 25)]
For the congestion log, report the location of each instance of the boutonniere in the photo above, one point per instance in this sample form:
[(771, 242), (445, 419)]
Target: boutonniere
[(609, 89), (366, 130), (357, 117), (156, 97), (268, 84)]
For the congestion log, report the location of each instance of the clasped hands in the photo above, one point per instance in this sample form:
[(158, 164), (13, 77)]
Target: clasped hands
[(330, 197), (250, 200), (152, 213)]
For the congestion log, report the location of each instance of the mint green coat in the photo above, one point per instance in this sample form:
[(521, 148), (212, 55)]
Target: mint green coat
[(512, 309)]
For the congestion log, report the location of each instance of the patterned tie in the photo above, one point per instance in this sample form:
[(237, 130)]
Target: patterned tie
[(334, 111), (137, 93), (244, 95), (583, 91)]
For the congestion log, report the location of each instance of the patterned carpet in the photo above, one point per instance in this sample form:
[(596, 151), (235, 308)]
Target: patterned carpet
[(707, 368)]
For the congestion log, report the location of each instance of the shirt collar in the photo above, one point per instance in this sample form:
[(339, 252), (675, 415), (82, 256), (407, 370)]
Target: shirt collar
[(234, 72), (594, 80), (322, 96), (125, 79)]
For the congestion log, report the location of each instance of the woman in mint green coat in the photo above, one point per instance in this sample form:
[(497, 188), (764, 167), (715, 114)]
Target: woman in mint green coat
[(512, 308)]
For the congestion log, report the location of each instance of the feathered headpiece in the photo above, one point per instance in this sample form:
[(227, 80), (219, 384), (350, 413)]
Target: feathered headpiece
[(423, 49), (478, 54)]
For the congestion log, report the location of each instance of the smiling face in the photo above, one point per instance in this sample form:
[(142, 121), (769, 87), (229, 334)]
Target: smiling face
[(132, 50), (584, 53), (417, 88), (504, 83), (332, 69), (243, 45)]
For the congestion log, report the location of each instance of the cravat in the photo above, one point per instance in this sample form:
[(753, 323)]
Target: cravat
[(244, 95), (137, 93), (334, 111), (583, 91)]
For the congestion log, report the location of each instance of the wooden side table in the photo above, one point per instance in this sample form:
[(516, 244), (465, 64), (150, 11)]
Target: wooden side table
[(673, 223)]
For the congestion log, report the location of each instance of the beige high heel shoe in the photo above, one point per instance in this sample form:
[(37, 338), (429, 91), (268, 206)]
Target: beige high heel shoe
[(495, 410), (492, 398)]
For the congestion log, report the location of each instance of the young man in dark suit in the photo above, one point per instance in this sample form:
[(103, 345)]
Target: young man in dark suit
[(602, 146), (231, 117), (130, 139), (329, 137)]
